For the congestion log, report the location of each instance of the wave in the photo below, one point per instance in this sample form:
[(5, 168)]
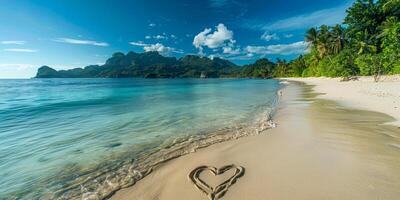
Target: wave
[(124, 169)]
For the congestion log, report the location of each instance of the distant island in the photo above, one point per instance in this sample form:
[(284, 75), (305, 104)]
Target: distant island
[(153, 65)]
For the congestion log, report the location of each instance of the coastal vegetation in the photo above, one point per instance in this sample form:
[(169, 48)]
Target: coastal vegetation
[(367, 43)]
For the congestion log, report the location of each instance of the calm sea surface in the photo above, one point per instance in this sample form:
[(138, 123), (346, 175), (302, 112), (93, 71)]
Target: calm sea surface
[(49, 125)]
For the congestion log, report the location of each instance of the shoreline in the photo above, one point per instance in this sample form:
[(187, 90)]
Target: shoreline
[(104, 185), (364, 93), (118, 146), (277, 162)]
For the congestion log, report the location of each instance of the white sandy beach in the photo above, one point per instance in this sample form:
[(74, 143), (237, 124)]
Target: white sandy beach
[(365, 94), (319, 150)]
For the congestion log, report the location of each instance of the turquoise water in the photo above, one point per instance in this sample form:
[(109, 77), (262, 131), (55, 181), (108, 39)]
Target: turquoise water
[(55, 131)]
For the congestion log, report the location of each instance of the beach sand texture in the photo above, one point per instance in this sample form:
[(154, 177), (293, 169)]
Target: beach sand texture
[(319, 150), (366, 94)]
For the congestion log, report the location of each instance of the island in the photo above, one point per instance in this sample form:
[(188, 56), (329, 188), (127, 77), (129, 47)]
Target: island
[(154, 65)]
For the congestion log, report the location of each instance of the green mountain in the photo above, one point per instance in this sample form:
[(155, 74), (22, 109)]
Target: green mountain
[(148, 65)]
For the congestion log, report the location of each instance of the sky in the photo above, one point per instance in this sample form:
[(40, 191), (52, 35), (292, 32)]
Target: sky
[(65, 34)]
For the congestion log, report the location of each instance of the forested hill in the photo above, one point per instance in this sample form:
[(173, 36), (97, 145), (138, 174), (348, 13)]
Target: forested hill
[(148, 65)]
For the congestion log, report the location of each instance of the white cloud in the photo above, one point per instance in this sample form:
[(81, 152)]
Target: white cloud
[(17, 42), (139, 43), (268, 37), (231, 50), (279, 49), (21, 50), (161, 49), (160, 37), (164, 50), (81, 42), (328, 16), (219, 38), (156, 47)]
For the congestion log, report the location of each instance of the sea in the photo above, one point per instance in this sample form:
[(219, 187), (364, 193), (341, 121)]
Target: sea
[(87, 138)]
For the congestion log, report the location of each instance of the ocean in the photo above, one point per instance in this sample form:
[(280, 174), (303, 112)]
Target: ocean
[(85, 138)]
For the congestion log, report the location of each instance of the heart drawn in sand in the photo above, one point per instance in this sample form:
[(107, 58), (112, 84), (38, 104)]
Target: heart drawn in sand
[(220, 190)]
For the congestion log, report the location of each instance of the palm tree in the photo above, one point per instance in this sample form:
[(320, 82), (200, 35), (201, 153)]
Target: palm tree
[(391, 6), (365, 48), (337, 42), (312, 36), (324, 31), (322, 44)]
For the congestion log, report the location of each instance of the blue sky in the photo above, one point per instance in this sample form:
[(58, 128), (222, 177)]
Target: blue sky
[(66, 34)]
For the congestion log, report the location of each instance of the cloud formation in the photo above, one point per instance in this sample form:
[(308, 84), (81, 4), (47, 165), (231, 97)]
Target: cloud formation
[(279, 49), (21, 50), (138, 43), (81, 42), (231, 50), (268, 37), (223, 45), (164, 50), (161, 49), (222, 36), (162, 36), (16, 42)]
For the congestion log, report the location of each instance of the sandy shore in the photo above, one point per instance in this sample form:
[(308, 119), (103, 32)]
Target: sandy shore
[(365, 94), (319, 150)]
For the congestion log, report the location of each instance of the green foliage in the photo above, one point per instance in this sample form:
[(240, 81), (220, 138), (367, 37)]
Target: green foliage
[(369, 45), (341, 64), (365, 63), (391, 45), (296, 67), (363, 20), (281, 69), (262, 68), (371, 64)]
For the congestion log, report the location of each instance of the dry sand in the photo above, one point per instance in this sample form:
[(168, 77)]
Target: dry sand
[(319, 150), (366, 94)]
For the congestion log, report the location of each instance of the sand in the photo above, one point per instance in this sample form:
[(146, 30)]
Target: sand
[(319, 150), (365, 93)]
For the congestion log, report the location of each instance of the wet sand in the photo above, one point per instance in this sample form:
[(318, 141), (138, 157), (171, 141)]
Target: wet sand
[(319, 150), (365, 93)]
